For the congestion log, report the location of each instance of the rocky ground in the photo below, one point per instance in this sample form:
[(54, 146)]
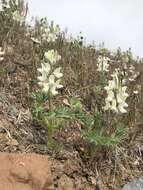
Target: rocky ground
[(67, 167)]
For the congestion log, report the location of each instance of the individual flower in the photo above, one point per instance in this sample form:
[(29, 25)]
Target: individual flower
[(116, 95), (57, 72), (52, 85), (52, 56), (103, 64), (45, 70)]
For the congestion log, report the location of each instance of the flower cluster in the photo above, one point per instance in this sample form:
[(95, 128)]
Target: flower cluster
[(52, 56), (116, 94), (103, 64), (1, 54), (50, 76)]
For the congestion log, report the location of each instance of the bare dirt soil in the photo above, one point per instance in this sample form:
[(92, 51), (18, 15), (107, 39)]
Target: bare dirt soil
[(70, 169)]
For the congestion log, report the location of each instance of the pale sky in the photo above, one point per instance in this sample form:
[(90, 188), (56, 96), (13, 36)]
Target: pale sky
[(114, 22)]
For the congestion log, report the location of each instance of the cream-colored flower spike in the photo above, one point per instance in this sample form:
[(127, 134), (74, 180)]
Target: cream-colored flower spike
[(50, 76), (103, 64), (52, 56), (116, 95)]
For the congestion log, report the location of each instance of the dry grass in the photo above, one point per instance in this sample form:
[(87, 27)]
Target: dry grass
[(110, 168)]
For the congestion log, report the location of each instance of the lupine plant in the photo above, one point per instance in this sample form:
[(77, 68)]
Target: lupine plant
[(86, 98), (116, 94), (96, 129), (111, 96), (104, 129), (49, 82)]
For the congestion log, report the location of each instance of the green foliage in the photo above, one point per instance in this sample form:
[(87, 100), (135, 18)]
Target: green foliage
[(95, 130), (38, 97), (81, 80)]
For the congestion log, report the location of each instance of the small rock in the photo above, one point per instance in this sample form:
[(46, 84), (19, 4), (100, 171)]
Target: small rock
[(25, 172), (134, 185)]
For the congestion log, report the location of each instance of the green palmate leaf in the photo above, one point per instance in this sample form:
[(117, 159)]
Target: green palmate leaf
[(85, 119), (100, 140), (61, 112), (37, 111), (119, 130), (38, 97), (99, 122), (76, 104)]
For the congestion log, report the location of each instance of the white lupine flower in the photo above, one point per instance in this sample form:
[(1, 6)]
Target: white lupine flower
[(103, 64), (50, 77), (45, 70), (42, 78), (46, 67), (52, 56), (57, 72), (116, 95), (52, 85), (121, 108)]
